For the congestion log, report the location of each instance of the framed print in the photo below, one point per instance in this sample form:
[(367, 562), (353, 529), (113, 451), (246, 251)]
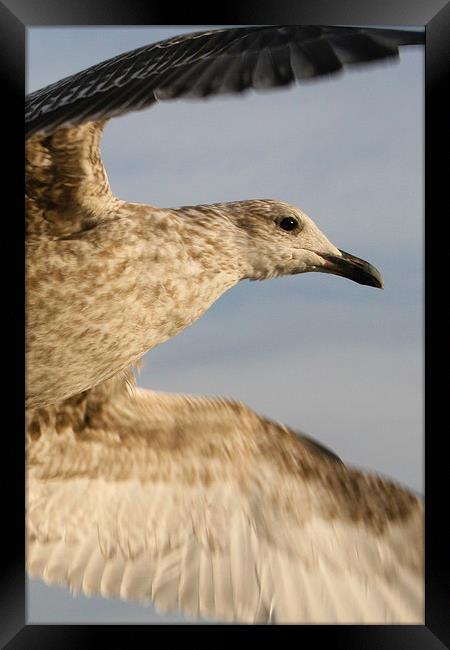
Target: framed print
[(300, 175)]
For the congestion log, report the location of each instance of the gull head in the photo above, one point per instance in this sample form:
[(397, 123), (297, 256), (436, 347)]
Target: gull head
[(276, 239)]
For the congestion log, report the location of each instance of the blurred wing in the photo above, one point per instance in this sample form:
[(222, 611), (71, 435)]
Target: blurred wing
[(203, 506), (207, 63)]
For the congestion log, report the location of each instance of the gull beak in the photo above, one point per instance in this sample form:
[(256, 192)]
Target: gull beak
[(353, 268)]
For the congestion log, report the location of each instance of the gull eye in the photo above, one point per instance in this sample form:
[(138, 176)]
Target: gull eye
[(288, 223)]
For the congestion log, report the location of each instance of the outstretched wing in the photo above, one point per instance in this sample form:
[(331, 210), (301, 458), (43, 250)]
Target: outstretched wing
[(66, 184), (203, 506), (207, 63)]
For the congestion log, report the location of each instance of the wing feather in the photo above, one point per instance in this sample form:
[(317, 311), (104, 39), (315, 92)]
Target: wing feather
[(67, 187), (206, 598), (255, 524), (223, 587), (189, 587), (196, 65), (166, 579), (81, 556), (113, 575), (92, 572), (244, 579)]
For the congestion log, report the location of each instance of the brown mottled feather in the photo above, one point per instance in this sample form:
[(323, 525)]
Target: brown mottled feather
[(66, 186), (172, 484)]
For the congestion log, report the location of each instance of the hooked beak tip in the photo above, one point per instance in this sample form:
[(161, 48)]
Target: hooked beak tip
[(353, 268)]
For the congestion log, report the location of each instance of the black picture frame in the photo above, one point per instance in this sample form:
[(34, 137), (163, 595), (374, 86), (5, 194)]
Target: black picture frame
[(15, 17)]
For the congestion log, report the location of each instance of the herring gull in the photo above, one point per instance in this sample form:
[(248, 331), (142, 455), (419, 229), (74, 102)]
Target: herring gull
[(192, 503)]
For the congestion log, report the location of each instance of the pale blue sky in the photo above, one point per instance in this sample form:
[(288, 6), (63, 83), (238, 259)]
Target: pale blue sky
[(340, 361)]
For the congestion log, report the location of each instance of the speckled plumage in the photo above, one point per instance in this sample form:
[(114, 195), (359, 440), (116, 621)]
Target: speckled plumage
[(108, 280), (125, 484), (187, 502)]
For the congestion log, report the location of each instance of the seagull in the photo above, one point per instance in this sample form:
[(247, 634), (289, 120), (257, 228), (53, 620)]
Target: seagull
[(191, 503)]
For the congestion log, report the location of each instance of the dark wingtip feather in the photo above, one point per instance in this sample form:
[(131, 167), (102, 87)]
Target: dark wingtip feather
[(207, 63)]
